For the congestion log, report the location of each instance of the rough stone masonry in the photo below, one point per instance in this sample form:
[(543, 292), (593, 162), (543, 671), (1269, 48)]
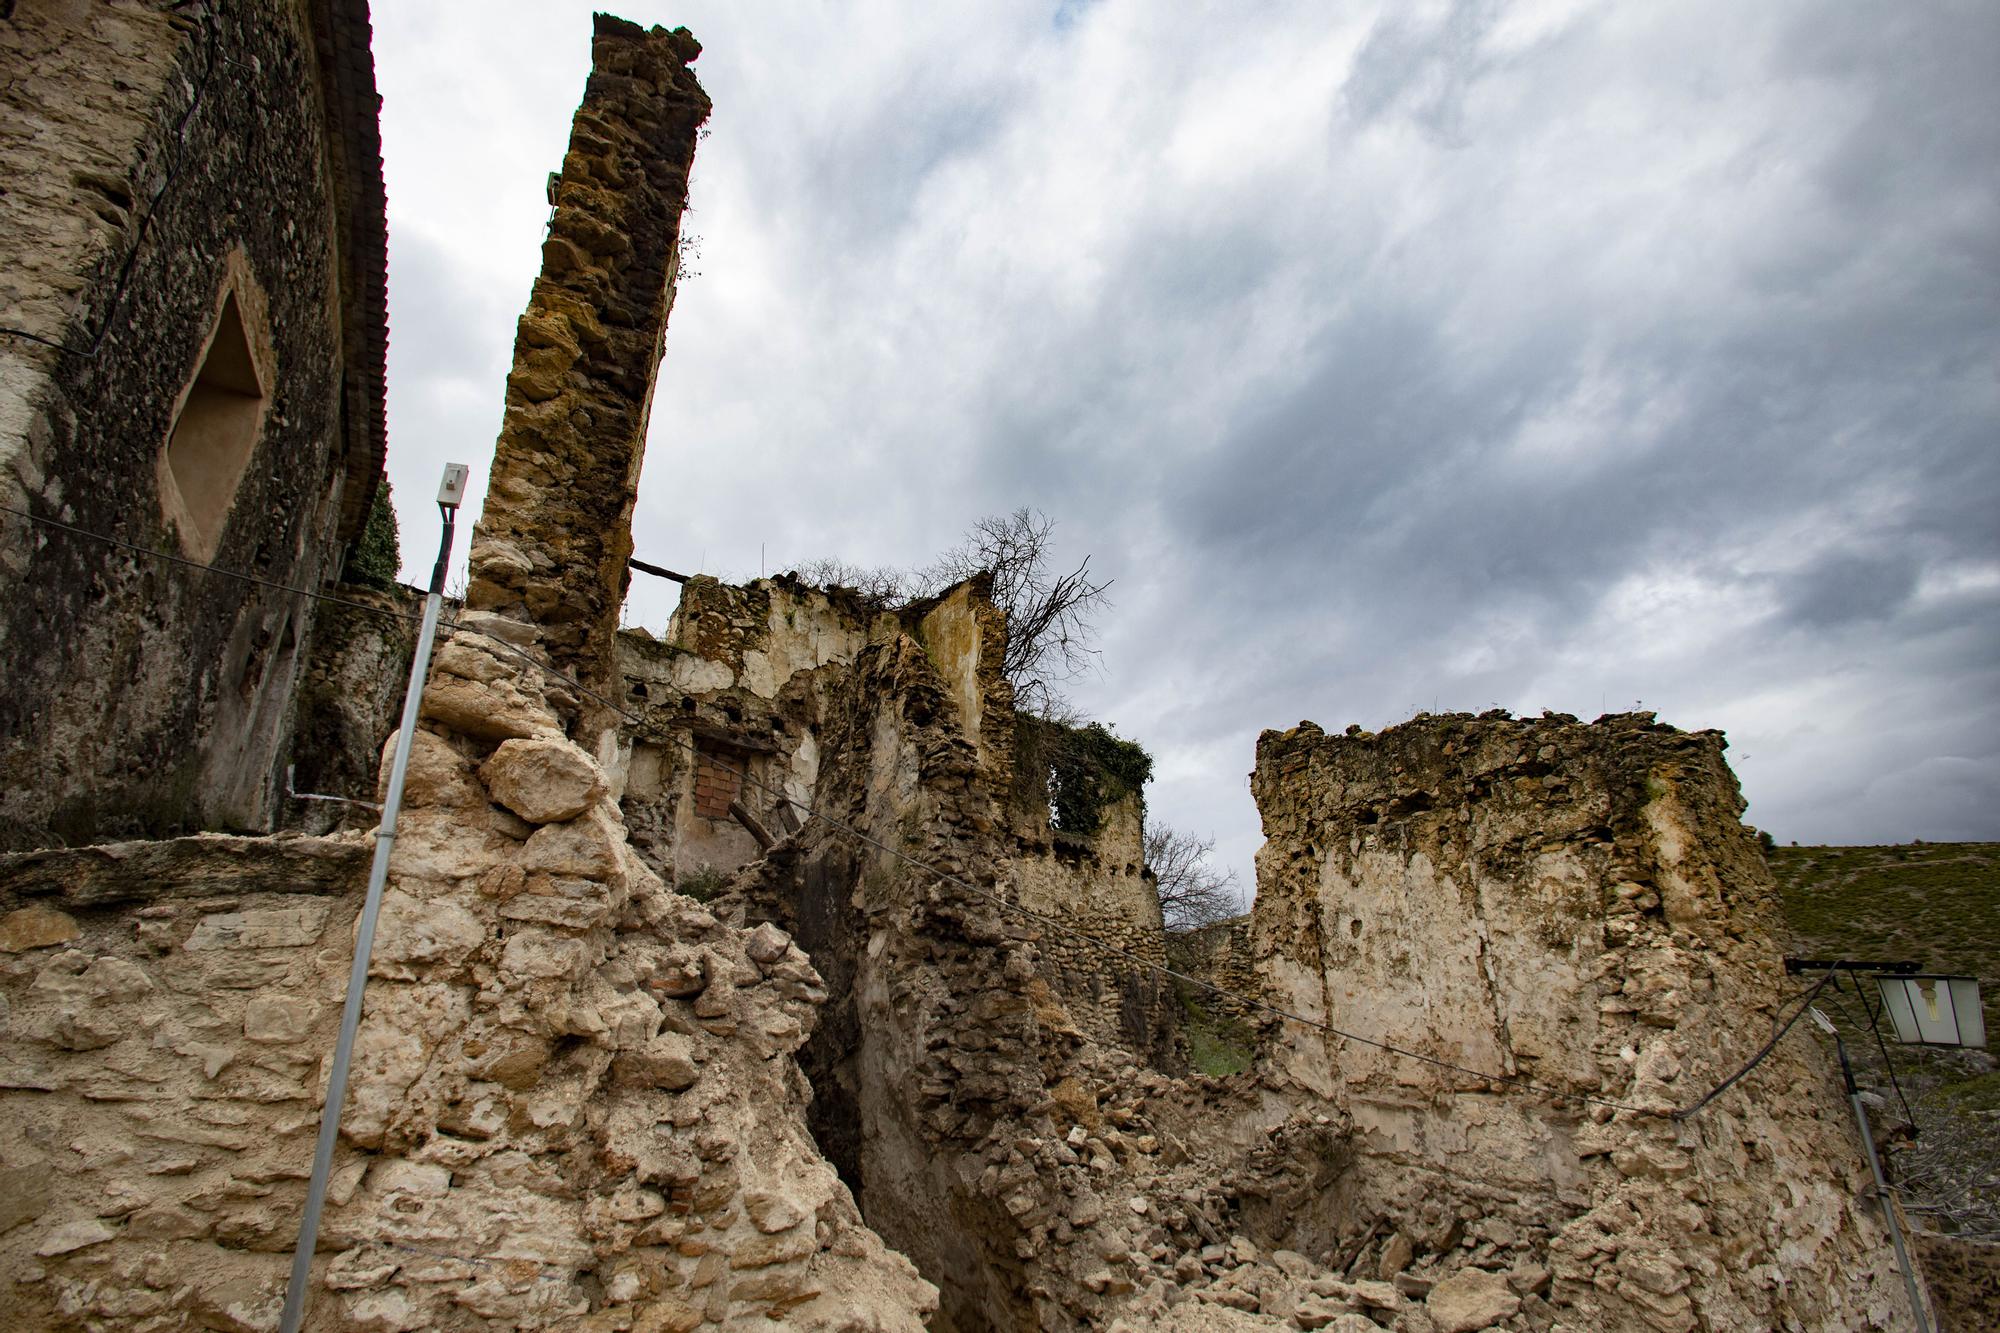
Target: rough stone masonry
[(1579, 907), (578, 1098), (573, 1100), (557, 528)]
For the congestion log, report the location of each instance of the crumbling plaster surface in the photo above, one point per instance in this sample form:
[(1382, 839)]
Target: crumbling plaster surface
[(1043, 1177), (1580, 907)]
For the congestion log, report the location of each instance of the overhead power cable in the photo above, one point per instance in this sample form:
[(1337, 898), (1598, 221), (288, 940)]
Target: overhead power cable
[(1758, 1058), (1052, 923)]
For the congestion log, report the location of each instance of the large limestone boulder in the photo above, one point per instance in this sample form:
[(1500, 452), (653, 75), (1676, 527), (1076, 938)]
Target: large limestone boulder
[(543, 779)]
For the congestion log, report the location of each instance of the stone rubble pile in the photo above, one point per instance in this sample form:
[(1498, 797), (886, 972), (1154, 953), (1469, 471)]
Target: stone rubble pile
[(573, 1099)]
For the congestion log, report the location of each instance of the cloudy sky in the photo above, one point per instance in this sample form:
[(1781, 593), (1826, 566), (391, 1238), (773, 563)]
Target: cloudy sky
[(1389, 357)]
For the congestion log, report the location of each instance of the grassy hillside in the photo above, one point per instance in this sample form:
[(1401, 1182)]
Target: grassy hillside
[(1937, 904), (1934, 903)]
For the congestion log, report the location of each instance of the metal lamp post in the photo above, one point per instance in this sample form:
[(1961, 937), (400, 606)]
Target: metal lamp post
[(1875, 1167), (451, 494), (1927, 1009)]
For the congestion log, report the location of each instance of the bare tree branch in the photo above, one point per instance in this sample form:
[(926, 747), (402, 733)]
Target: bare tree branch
[(878, 586), (1049, 618), (1193, 893)]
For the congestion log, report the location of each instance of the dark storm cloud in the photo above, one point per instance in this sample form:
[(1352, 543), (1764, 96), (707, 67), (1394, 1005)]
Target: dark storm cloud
[(1843, 588), (1433, 356)]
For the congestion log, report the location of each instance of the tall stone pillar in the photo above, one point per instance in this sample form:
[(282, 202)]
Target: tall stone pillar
[(551, 547)]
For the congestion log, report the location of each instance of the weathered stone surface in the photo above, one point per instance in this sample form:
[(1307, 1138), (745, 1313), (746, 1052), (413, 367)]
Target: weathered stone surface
[(262, 928), (555, 533), (537, 1120), (414, 933), (135, 201), (1396, 1256), (438, 775), (35, 928), (278, 1019), (204, 865), (666, 1061), (72, 1236), (1579, 906), (543, 780), (589, 847), (1471, 1299), (24, 1195)]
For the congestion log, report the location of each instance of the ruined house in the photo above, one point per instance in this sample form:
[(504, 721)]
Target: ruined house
[(741, 978)]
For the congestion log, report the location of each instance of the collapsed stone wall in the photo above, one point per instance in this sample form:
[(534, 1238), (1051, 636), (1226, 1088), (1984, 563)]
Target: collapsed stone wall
[(1098, 885), (731, 750), (718, 695), (573, 1100), (572, 1089), (1222, 955), (556, 530), (1580, 907), (581, 1099), (1043, 1179)]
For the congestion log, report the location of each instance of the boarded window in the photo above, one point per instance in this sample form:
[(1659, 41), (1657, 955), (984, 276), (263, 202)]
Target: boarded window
[(716, 783), (214, 434)]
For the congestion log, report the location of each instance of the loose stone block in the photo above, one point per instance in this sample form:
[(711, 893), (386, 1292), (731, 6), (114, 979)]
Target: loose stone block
[(278, 1019), (543, 780), (73, 1236), (264, 928), (589, 846)]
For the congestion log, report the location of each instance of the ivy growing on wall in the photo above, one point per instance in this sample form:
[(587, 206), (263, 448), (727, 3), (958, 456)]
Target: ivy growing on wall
[(1078, 770), (378, 553)]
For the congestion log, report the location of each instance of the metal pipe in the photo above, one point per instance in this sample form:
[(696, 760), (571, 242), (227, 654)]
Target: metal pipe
[(292, 791), (371, 906), (1882, 1190)]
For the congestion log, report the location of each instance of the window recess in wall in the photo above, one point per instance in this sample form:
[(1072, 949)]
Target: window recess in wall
[(216, 427)]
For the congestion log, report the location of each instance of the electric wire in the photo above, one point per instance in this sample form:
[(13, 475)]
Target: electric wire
[(1875, 1026), (1757, 1059), (653, 733), (199, 567), (1839, 1001)]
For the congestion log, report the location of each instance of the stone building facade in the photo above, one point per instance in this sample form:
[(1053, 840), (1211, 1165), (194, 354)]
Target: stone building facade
[(192, 299), (1221, 955)]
